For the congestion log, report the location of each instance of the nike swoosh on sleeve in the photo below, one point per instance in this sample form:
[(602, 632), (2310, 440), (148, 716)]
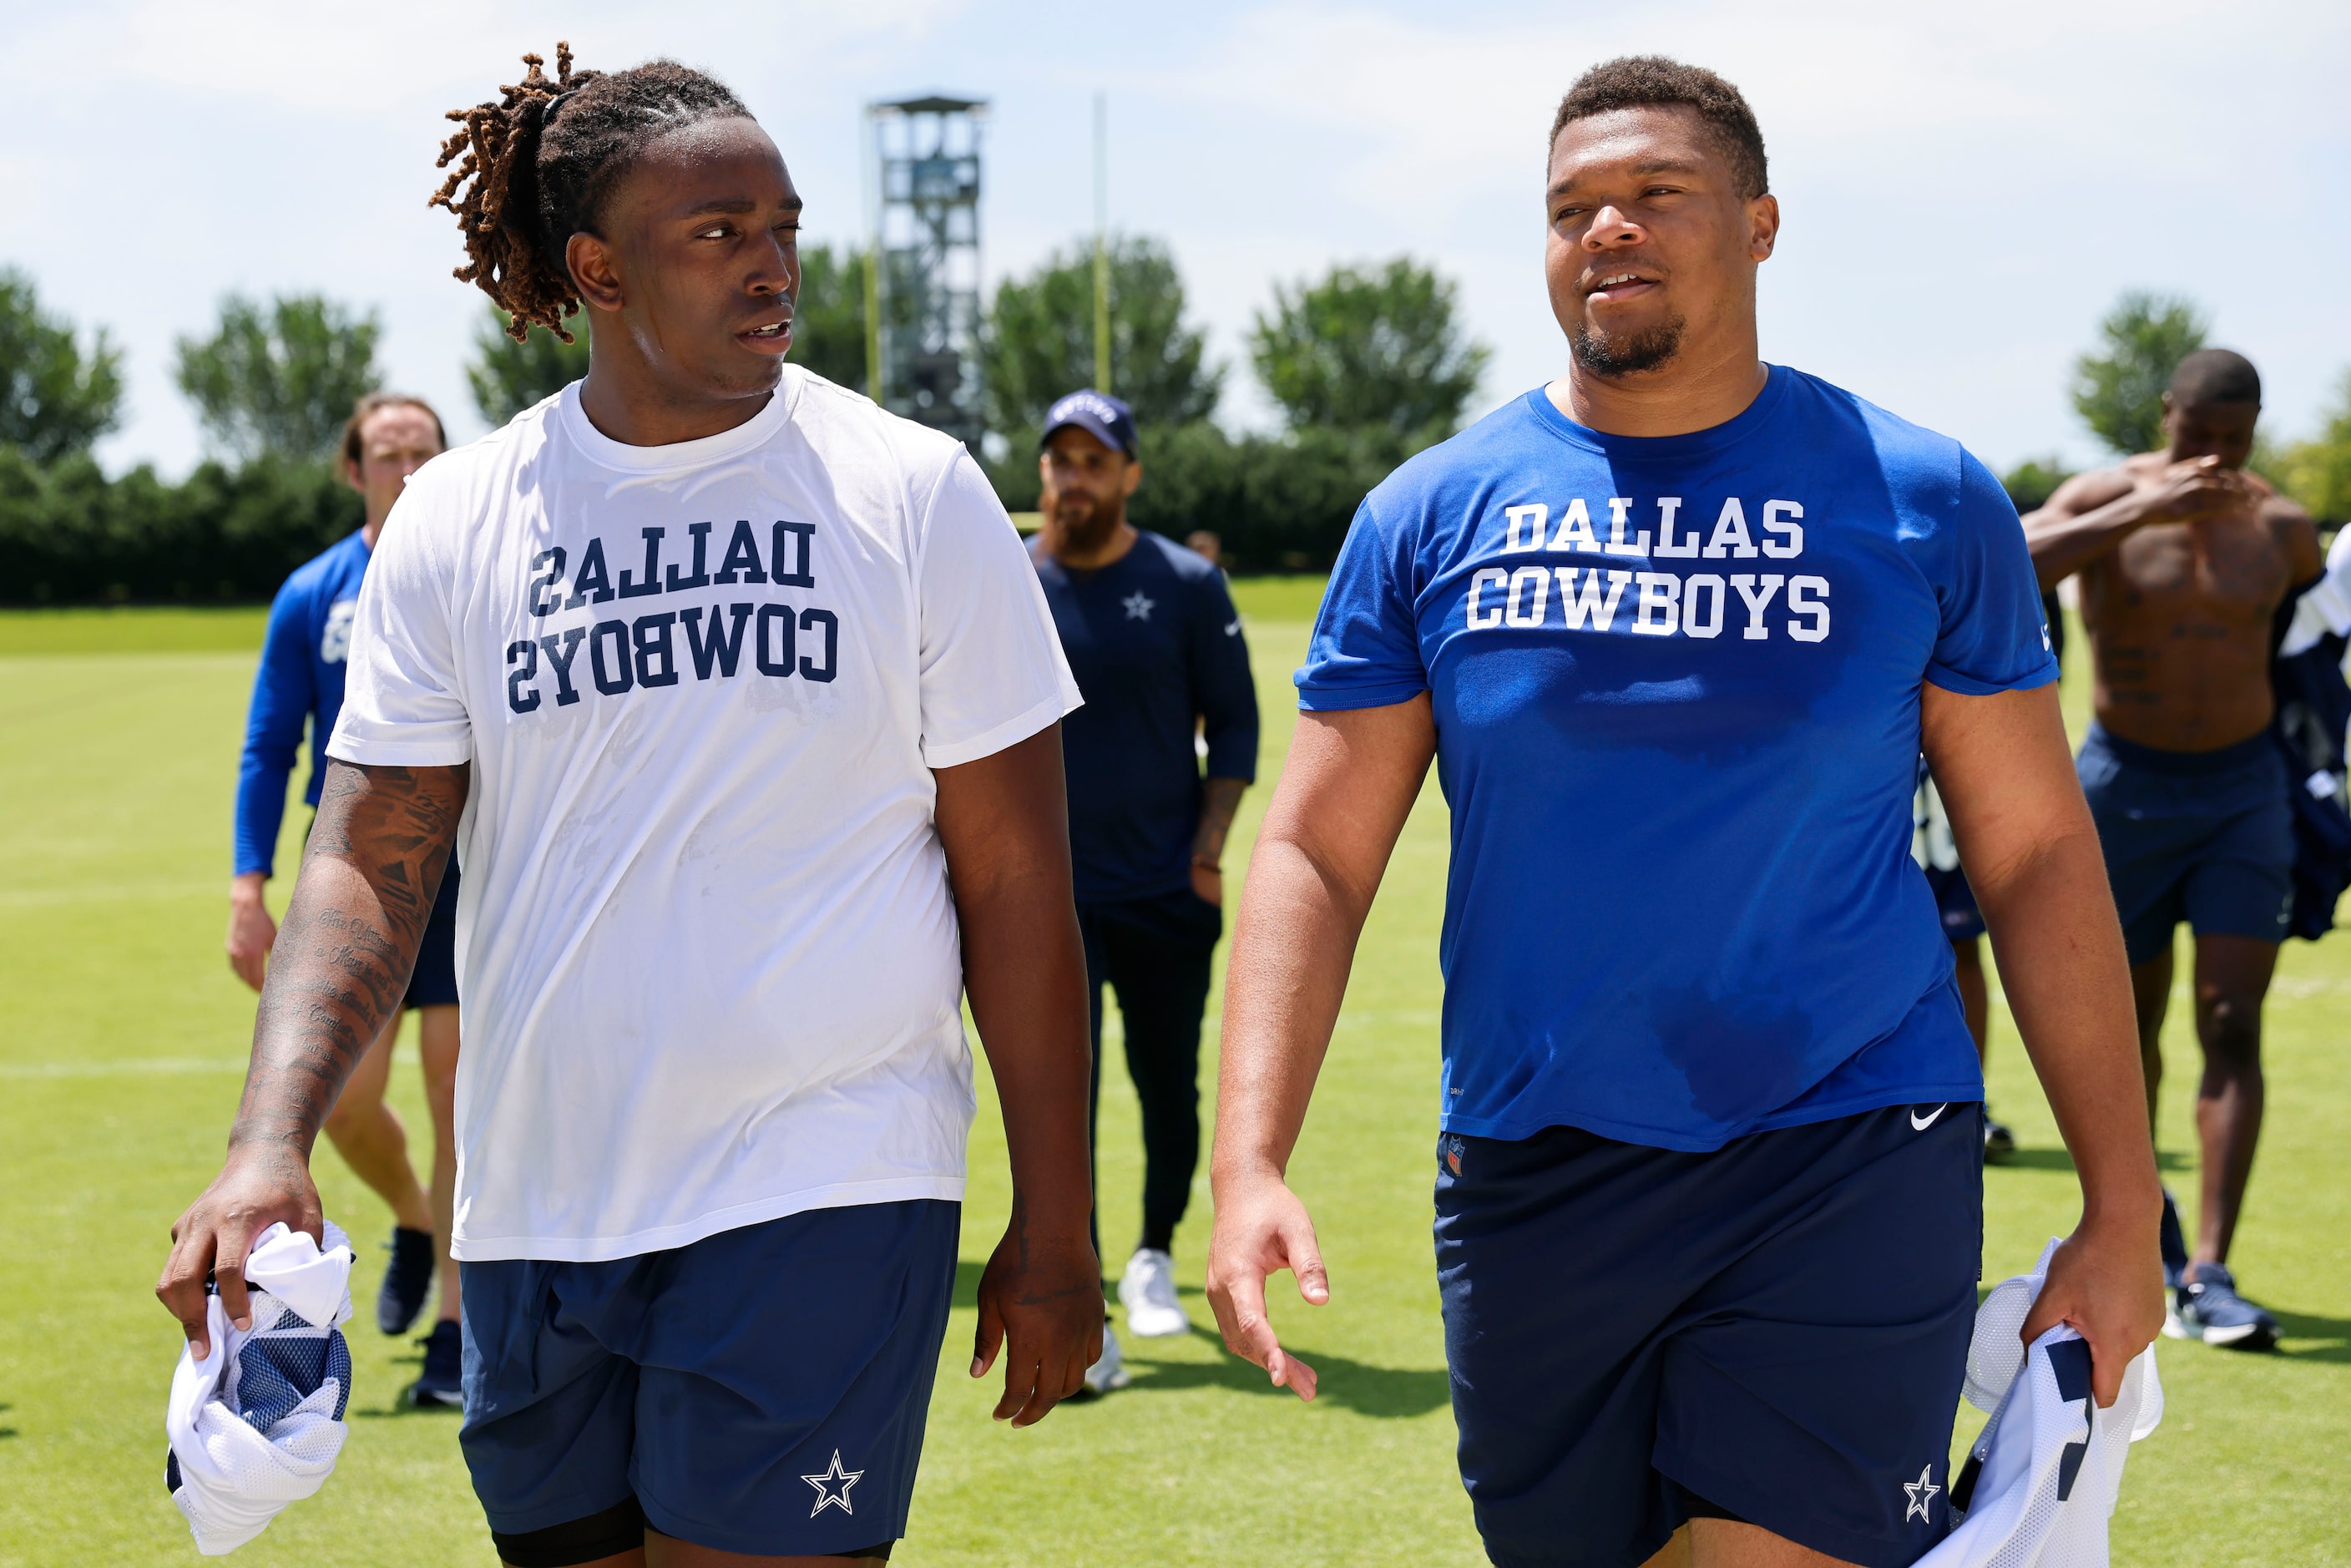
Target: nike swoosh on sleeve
[(1234, 629)]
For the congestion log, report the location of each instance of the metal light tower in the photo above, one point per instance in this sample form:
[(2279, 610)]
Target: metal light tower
[(923, 261)]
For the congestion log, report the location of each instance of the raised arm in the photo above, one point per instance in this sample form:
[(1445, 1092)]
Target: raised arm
[(1345, 793), (2298, 536), (2092, 513), (2033, 858), (338, 970), (1004, 824)]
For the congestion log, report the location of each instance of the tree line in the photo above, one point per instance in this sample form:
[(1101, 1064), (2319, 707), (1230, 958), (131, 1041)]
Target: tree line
[(1365, 365)]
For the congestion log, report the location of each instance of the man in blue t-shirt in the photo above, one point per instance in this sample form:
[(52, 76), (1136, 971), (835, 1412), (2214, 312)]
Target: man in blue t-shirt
[(1676, 629), (300, 682), (1155, 642)]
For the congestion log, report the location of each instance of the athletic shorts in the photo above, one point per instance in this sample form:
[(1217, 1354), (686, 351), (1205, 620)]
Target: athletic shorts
[(1775, 1331), (1955, 903), (433, 982), (761, 1391), (2204, 837)]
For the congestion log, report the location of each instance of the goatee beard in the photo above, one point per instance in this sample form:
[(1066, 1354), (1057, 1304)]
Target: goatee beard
[(1091, 530), (1603, 355)]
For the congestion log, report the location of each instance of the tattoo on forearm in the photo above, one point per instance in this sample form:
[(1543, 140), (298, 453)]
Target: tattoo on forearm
[(370, 873)]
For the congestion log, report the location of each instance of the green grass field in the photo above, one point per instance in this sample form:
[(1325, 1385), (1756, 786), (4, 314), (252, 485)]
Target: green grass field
[(122, 1036)]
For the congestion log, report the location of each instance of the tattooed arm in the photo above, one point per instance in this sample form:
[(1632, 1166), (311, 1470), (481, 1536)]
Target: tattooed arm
[(336, 973), (1005, 827)]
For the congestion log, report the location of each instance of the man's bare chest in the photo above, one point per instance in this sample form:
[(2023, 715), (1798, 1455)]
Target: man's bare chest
[(2225, 570)]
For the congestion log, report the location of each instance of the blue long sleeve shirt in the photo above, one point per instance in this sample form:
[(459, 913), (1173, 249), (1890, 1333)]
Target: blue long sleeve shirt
[(300, 682), (1155, 645)]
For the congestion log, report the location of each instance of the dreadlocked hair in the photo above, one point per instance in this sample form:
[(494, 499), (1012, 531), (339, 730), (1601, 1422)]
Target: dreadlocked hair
[(543, 159)]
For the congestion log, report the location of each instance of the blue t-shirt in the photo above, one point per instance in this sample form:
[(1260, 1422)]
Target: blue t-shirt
[(1155, 645), (301, 680), (1676, 687)]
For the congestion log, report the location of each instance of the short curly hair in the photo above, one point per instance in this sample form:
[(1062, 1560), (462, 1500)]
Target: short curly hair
[(544, 158), (1652, 82)]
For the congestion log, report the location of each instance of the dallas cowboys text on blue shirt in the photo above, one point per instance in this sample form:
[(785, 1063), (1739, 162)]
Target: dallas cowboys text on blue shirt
[(771, 636), (1676, 685)]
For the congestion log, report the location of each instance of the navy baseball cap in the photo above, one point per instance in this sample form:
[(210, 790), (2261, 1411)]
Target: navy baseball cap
[(1098, 414)]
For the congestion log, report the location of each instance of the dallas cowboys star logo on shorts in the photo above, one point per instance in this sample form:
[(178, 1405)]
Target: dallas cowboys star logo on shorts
[(1922, 1493), (832, 1487)]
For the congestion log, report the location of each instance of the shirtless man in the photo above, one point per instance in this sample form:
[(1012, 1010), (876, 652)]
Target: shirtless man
[(2184, 560)]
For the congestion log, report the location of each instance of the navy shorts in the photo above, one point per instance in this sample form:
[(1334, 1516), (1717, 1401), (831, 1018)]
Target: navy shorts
[(2203, 837), (1955, 903), (762, 1390), (433, 982), (1775, 1331)]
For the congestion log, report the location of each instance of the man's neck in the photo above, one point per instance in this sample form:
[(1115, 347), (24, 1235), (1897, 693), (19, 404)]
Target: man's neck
[(1693, 390), (1088, 555), (639, 411), (371, 532)]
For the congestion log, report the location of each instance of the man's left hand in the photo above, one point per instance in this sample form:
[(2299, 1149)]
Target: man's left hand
[(1208, 883), (2106, 1283), (1040, 1304)]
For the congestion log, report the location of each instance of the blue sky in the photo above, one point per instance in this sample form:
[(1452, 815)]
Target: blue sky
[(1965, 188)]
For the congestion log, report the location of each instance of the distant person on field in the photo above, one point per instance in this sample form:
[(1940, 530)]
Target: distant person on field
[(1155, 642), (1207, 546), (389, 437), (2184, 560)]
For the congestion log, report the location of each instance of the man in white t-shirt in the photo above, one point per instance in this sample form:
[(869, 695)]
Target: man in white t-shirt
[(739, 701)]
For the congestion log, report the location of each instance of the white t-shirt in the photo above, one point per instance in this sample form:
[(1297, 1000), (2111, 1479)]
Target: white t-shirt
[(709, 963)]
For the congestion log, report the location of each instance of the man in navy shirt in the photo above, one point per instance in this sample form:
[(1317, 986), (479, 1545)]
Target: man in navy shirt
[(1676, 629), (1155, 645), (300, 681)]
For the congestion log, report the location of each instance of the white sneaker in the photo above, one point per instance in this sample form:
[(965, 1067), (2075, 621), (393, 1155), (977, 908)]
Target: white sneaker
[(1147, 1292), (1109, 1371)]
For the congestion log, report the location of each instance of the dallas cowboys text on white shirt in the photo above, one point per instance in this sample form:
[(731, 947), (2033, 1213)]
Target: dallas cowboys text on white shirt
[(1701, 603), (786, 638)]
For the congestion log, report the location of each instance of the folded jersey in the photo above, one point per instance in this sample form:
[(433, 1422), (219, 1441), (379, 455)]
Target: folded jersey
[(2041, 1481), (258, 1422)]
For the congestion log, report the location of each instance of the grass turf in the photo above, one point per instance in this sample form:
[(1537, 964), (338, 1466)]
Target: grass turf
[(122, 1041)]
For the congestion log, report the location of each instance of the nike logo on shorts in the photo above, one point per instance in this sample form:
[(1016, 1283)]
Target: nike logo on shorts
[(1921, 1123)]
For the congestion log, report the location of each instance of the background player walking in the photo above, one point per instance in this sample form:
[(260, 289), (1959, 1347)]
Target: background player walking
[(2184, 560), (1156, 644), (1676, 629), (740, 700), (304, 656)]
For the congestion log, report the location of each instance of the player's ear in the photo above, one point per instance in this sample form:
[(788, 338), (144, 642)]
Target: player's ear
[(1133, 476), (1762, 226), (351, 475), (595, 271)]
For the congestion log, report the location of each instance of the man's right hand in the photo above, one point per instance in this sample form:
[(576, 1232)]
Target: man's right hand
[(2196, 488), (261, 1185), (251, 932), (1262, 1227)]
